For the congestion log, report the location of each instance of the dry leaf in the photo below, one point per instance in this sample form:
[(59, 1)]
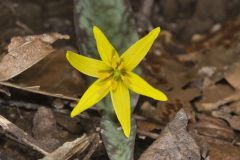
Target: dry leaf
[(233, 120), (45, 129), (147, 126), (24, 52), (214, 128), (174, 143), (213, 97), (209, 106), (233, 76), (161, 113), (223, 151), (53, 76)]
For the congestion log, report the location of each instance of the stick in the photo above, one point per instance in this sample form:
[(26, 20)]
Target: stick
[(17, 134), (69, 149), (148, 134), (95, 141)]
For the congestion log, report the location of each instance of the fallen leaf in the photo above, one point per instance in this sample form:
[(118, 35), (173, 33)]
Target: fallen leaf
[(68, 123), (233, 120), (53, 76), (214, 96), (174, 143), (223, 151), (24, 52), (214, 128), (233, 75), (161, 114), (147, 126), (233, 108), (45, 128)]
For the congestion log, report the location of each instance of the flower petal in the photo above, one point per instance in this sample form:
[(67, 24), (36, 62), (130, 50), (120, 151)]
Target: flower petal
[(105, 48), (88, 66), (94, 94), (133, 55), (140, 86), (121, 103)]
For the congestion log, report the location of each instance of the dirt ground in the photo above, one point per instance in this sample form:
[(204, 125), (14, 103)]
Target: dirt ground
[(195, 61)]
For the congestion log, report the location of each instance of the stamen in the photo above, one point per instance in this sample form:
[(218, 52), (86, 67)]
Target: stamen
[(115, 62), (114, 85), (116, 74), (120, 66), (104, 75), (105, 88), (125, 80)]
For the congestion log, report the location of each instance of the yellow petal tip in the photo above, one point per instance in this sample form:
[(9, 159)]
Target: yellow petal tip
[(163, 97), (156, 30), (127, 133), (95, 29), (73, 114), (68, 54)]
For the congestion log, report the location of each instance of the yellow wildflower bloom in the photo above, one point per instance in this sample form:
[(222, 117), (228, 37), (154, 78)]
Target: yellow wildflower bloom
[(115, 75)]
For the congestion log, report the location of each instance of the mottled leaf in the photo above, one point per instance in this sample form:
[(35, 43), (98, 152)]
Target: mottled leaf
[(112, 16), (118, 146)]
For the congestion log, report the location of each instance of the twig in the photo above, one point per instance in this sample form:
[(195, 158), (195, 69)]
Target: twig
[(7, 84), (69, 149), (148, 134), (17, 134), (24, 27), (95, 139)]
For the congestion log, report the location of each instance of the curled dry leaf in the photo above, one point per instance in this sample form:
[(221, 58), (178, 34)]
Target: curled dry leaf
[(24, 52), (174, 143)]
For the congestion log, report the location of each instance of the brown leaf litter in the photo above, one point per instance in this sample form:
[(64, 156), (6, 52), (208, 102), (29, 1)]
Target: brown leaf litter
[(174, 142), (23, 52)]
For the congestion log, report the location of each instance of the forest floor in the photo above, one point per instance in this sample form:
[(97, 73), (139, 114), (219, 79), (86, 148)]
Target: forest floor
[(195, 61)]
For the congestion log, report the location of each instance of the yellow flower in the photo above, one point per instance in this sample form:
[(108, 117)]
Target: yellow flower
[(115, 75)]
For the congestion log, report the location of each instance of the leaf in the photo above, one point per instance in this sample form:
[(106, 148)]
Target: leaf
[(53, 76), (24, 52), (117, 145), (231, 117), (111, 16), (174, 143), (233, 75), (215, 128)]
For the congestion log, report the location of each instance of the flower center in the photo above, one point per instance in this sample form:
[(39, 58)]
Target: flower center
[(117, 74)]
